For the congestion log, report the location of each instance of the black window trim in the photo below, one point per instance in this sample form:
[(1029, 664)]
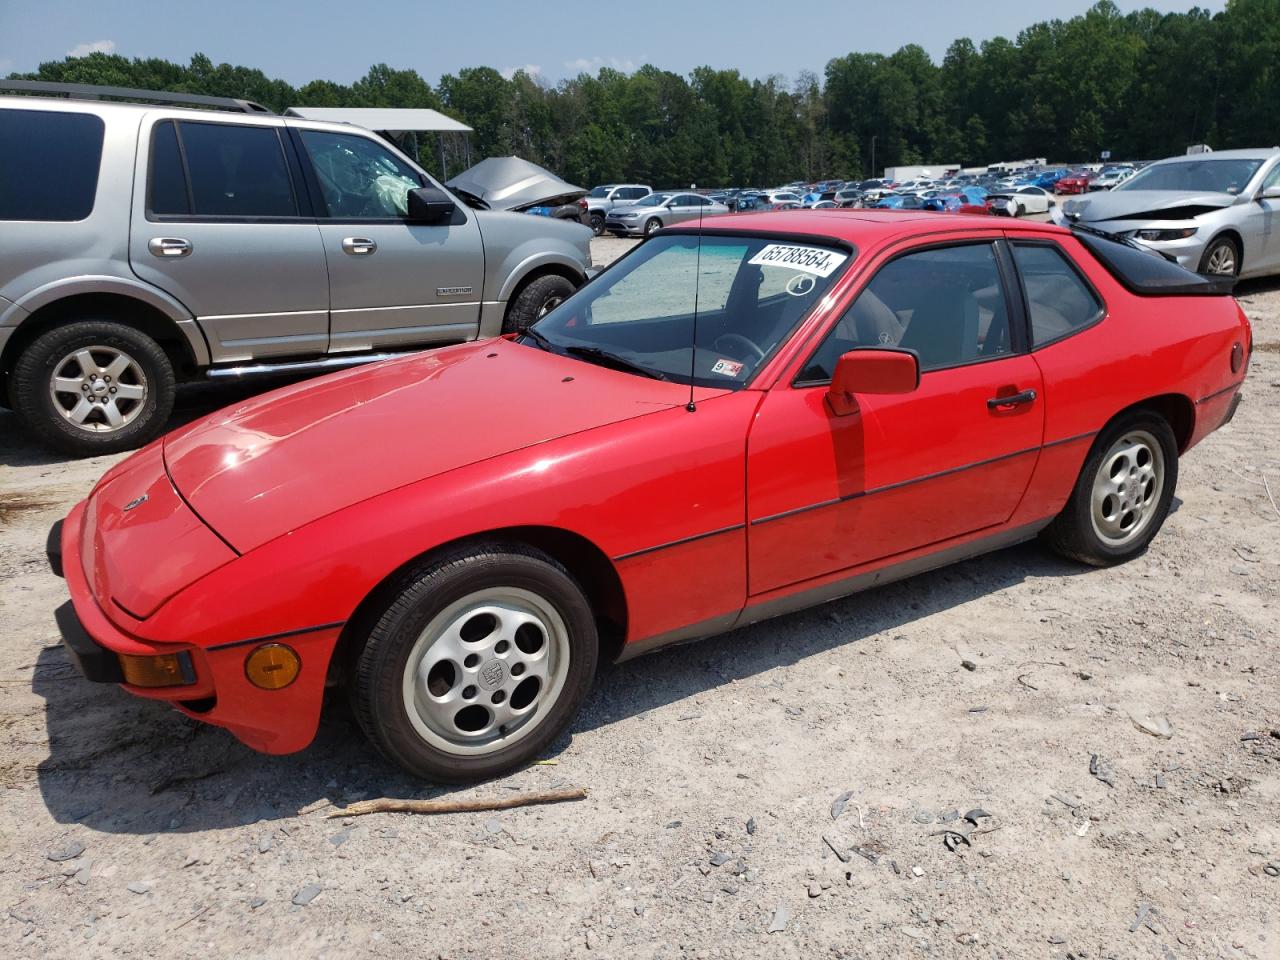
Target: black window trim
[(1102, 311), (1017, 317), (303, 215), (97, 176)]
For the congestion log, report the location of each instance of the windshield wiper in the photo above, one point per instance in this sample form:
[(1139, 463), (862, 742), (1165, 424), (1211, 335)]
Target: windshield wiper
[(1113, 237), (606, 359), (542, 342)]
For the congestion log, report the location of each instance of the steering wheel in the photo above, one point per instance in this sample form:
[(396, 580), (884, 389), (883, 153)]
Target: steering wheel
[(723, 342)]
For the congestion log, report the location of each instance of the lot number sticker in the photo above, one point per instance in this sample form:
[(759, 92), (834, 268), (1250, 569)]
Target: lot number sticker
[(728, 368), (813, 260)]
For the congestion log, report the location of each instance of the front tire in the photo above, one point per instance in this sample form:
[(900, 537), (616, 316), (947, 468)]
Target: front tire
[(93, 387), (535, 301), (597, 224), (1221, 258), (1122, 496), (478, 665), (651, 226)]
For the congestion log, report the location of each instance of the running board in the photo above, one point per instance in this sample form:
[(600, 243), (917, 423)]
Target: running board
[(302, 366)]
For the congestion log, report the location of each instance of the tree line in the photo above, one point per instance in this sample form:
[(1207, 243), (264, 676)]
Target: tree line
[(1140, 85)]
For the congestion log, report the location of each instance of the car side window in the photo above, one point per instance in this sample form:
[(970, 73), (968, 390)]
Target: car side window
[(946, 304), (237, 171), (1059, 301), (167, 193), (1272, 178), (359, 178), (49, 164)]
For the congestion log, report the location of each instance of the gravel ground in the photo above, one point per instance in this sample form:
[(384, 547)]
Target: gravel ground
[(778, 792)]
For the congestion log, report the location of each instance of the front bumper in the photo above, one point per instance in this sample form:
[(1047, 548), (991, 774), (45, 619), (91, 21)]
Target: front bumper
[(623, 227), (271, 721)]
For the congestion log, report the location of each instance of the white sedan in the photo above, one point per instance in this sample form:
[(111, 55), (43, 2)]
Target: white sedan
[(1023, 200)]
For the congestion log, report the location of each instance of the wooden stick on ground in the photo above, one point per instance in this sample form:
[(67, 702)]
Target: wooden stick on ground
[(388, 805)]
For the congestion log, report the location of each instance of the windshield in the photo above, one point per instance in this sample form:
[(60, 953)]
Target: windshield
[(1200, 176), (599, 192), (748, 294), (652, 200)]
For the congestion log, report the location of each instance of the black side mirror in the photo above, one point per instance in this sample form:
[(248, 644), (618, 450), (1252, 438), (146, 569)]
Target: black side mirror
[(429, 205)]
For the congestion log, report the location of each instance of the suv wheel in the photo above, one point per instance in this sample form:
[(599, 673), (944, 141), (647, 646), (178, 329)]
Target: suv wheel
[(535, 301), (94, 387), (597, 223)]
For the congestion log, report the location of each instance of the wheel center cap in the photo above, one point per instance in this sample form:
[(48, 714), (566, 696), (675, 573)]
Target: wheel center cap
[(492, 674), (99, 387)]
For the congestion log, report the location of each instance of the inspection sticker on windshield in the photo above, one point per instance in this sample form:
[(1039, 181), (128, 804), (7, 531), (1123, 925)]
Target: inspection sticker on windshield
[(728, 368), (814, 260)]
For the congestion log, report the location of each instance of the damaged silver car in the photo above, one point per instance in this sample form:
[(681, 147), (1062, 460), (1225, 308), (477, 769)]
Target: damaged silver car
[(509, 183), (1216, 213)]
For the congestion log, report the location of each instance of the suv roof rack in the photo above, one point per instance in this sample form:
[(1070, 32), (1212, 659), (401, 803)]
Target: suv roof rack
[(89, 91)]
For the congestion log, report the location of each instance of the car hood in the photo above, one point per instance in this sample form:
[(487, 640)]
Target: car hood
[(1145, 205), (509, 183), (256, 471)]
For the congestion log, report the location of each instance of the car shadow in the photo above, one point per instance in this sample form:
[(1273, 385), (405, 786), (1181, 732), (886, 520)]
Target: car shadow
[(120, 764), (1255, 286), (20, 448)]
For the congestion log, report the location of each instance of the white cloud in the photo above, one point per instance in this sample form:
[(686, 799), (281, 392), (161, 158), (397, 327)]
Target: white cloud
[(93, 46), (532, 69), (593, 64)]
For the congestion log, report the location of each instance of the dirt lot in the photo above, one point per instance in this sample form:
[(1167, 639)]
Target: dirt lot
[(714, 771)]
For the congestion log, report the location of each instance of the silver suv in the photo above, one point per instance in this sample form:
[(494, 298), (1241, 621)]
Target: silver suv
[(150, 244)]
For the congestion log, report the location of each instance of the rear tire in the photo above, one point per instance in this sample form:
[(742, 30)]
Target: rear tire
[(438, 686), (1122, 496), (93, 387), (535, 300)]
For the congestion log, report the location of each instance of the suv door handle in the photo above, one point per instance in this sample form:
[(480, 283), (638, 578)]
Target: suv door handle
[(358, 246), (169, 247), (1013, 400)]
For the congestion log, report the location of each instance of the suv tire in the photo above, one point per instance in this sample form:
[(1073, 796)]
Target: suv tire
[(539, 296), (597, 223), (122, 377)]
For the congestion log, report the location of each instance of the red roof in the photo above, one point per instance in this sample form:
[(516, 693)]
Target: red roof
[(863, 226)]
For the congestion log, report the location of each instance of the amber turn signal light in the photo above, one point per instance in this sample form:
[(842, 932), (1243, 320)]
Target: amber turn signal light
[(165, 670), (272, 666)]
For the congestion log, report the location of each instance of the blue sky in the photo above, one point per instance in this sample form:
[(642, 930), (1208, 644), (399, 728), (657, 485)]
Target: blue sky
[(328, 39)]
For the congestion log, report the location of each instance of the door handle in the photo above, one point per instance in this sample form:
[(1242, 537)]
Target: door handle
[(358, 246), (169, 247), (1013, 400)]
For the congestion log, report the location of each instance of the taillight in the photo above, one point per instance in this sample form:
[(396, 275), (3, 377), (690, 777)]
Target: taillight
[(583, 203)]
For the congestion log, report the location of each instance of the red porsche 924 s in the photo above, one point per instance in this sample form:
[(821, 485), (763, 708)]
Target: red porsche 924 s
[(725, 425)]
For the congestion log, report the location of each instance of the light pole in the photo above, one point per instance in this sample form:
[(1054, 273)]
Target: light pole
[(873, 156)]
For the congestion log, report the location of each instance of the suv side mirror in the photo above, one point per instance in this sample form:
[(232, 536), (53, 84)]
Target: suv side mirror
[(873, 370), (429, 205)]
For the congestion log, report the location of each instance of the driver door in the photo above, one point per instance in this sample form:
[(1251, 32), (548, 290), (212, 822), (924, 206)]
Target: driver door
[(392, 283)]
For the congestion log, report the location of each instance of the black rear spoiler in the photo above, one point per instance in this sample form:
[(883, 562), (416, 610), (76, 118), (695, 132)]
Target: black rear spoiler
[(1144, 271)]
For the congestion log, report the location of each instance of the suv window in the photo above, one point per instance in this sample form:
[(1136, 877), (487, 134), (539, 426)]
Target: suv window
[(1059, 301), (360, 179), (48, 164), (947, 304), (219, 170)]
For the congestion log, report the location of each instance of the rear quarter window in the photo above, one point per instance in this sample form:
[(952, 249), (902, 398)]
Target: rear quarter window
[(49, 162), (1058, 300)]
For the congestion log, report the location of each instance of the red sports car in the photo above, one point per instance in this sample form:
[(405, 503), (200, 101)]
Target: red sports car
[(723, 426), (1075, 183)]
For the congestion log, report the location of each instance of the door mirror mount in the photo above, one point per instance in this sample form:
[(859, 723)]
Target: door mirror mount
[(874, 370), (429, 205)]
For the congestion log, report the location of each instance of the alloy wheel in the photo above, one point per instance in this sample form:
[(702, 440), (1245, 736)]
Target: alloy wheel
[(1127, 488), (1222, 260), (98, 389), (486, 671)]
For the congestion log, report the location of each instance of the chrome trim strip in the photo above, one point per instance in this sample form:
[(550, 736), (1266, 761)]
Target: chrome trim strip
[(1217, 393), (329, 363), (277, 313), (275, 636)]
